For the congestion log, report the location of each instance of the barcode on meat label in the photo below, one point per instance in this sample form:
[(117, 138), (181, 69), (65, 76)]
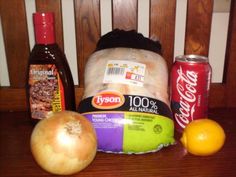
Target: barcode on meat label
[(115, 71), (124, 72)]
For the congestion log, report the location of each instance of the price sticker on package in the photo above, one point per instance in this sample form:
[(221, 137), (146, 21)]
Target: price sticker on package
[(124, 72)]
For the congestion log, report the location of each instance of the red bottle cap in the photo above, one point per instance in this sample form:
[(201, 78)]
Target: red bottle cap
[(44, 27)]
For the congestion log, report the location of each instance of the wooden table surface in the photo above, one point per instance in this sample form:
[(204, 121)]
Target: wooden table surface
[(173, 161)]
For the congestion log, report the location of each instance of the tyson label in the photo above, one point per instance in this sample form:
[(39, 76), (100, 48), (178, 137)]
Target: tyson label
[(108, 100)]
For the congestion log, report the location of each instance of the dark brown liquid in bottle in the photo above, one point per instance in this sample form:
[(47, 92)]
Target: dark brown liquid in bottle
[(50, 84)]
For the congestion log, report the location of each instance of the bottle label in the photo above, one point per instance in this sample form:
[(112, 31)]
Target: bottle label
[(46, 92)]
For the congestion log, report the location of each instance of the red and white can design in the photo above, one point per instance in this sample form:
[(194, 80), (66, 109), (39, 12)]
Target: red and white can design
[(190, 84)]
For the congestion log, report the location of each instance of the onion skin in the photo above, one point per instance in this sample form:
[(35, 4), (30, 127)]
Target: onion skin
[(64, 143)]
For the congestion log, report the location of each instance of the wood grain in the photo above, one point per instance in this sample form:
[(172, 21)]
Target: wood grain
[(125, 14), (16, 158), (198, 27), (217, 95), (12, 99), (53, 6), (162, 26), (16, 40), (87, 32), (231, 59)]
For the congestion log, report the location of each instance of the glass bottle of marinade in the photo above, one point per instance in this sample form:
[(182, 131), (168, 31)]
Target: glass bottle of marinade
[(50, 86)]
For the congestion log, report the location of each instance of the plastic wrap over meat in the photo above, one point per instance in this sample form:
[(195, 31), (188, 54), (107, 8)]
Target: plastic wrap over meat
[(126, 94)]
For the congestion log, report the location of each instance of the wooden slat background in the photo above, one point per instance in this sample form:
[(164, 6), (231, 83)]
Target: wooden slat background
[(230, 70), (125, 14), (14, 27), (198, 26), (162, 26), (88, 31)]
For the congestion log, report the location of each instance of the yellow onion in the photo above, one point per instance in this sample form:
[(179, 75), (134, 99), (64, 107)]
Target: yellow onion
[(64, 143)]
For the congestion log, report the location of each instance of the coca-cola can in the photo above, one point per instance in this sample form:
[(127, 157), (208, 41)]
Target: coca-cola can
[(190, 83)]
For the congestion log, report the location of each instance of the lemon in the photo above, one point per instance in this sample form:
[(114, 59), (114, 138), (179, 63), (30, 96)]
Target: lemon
[(203, 137)]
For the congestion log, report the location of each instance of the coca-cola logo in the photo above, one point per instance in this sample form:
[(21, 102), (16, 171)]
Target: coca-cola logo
[(186, 86)]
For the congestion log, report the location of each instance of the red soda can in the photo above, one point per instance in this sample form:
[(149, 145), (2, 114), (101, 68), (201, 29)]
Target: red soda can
[(190, 83)]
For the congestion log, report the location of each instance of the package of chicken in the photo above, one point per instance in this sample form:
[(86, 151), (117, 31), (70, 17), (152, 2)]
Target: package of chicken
[(126, 94)]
